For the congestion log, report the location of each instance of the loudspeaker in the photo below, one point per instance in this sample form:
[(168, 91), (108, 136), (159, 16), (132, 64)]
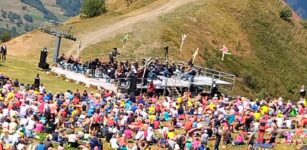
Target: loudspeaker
[(43, 65), (44, 54)]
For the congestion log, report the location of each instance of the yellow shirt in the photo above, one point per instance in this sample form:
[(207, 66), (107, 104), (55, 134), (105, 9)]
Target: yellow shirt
[(73, 113), (122, 104), (170, 134), (257, 115), (212, 106), (36, 92), (10, 95), (179, 100), (151, 110), (189, 103), (279, 115), (265, 109), (152, 118)]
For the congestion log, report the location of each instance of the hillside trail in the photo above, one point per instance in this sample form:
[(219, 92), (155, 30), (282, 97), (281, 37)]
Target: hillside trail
[(126, 25)]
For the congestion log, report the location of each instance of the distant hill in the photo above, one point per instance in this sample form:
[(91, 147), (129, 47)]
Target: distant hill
[(19, 16)]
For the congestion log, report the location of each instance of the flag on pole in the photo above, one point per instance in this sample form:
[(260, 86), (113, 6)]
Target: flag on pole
[(195, 54), (183, 38), (224, 52), (81, 44), (124, 40)]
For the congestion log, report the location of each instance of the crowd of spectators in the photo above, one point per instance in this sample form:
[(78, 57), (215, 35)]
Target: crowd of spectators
[(102, 119)]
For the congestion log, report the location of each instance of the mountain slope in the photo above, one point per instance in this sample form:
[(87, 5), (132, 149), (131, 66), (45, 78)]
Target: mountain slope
[(128, 23), (268, 53), (23, 15)]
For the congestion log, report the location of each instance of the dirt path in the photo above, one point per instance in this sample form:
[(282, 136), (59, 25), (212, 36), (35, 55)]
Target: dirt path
[(126, 24)]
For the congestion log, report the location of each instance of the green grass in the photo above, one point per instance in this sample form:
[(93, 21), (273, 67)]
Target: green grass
[(25, 72), (107, 146)]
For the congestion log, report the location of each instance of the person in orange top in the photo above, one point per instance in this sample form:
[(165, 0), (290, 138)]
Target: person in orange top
[(188, 125), (122, 140)]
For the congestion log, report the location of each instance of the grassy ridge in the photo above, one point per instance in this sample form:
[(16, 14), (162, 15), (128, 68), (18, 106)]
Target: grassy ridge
[(268, 53)]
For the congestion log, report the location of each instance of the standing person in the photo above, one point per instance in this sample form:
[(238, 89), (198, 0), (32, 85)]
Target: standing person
[(218, 135), (302, 91), (37, 81), (3, 52), (150, 89)]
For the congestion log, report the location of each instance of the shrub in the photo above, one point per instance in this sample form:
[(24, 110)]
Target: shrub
[(24, 8), (28, 18), (4, 14), (28, 28), (37, 4), (4, 37), (70, 7), (286, 14), (92, 8), (250, 80)]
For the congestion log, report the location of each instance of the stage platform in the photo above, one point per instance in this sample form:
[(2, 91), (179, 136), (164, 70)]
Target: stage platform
[(161, 83), (96, 82)]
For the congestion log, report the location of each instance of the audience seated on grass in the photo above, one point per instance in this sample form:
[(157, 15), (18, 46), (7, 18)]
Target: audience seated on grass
[(104, 119)]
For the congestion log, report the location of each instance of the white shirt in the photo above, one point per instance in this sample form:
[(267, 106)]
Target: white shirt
[(5, 125), (114, 144), (15, 137), (158, 84), (288, 123), (5, 112), (23, 121), (35, 108), (149, 135), (240, 107), (72, 138), (139, 135), (279, 122), (23, 110), (256, 126), (30, 125)]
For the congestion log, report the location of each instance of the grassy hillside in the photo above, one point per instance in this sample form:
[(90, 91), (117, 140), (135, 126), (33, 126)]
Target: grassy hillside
[(268, 54), (24, 50), (37, 10)]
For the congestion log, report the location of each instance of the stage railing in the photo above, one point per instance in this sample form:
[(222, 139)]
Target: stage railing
[(214, 74)]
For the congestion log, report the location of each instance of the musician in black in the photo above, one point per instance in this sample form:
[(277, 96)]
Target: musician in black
[(37, 81), (3, 53)]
